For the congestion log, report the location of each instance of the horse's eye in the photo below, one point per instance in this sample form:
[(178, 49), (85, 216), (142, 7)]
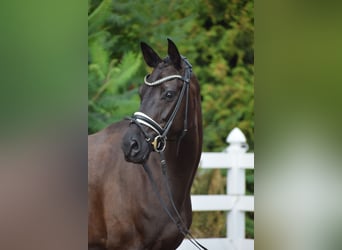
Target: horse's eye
[(170, 94)]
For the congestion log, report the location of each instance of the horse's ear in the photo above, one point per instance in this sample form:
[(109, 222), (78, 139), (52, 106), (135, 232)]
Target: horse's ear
[(151, 57), (174, 54)]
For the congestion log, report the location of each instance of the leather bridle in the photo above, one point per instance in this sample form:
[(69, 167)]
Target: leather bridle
[(141, 119)]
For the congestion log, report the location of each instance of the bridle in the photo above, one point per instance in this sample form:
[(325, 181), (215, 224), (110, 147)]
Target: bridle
[(141, 119), (159, 144)]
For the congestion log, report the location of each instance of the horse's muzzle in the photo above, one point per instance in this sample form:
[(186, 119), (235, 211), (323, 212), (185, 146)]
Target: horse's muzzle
[(135, 148)]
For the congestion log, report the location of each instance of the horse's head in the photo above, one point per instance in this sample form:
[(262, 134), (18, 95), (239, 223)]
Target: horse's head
[(164, 105)]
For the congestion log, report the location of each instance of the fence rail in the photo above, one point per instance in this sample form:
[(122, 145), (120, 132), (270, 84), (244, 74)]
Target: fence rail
[(235, 202)]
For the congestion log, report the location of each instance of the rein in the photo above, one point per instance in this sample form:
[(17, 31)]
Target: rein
[(159, 144), (178, 221)]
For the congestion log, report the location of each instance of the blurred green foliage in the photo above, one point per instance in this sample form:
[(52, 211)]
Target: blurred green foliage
[(218, 39)]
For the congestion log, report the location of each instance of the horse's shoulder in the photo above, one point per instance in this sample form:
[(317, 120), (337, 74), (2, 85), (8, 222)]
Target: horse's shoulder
[(104, 148)]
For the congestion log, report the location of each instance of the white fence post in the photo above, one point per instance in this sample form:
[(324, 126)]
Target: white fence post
[(236, 185), (235, 202)]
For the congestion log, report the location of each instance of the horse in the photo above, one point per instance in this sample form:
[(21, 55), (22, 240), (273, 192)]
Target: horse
[(125, 180)]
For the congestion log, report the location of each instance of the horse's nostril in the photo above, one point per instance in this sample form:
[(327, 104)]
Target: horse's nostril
[(134, 145)]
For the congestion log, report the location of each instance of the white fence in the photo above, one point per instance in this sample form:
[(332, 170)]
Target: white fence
[(235, 202)]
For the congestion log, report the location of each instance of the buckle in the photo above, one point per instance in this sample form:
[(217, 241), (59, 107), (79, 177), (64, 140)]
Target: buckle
[(159, 143)]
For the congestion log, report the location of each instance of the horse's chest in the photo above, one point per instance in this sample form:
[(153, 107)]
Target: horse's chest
[(142, 228), (151, 238)]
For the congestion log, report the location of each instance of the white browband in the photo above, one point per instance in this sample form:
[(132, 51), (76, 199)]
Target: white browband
[(161, 80)]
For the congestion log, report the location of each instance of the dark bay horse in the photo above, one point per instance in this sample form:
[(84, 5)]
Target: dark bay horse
[(123, 209)]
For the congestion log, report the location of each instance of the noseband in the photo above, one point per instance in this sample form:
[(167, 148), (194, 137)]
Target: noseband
[(141, 119)]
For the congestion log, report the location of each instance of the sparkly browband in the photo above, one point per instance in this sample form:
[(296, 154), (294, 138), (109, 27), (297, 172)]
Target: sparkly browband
[(161, 80)]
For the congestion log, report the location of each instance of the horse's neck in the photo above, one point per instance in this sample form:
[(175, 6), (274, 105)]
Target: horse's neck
[(182, 163)]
